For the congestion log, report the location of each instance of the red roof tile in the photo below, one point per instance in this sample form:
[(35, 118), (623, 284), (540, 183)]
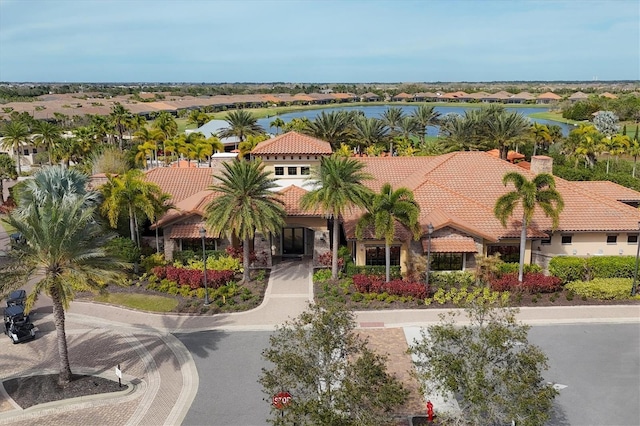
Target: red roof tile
[(291, 196), (293, 143), (450, 244)]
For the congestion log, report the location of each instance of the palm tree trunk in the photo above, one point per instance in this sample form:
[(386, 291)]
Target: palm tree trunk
[(387, 260), (1, 191), (132, 225), (523, 243), (157, 240), (334, 249), (64, 375), (18, 161), (635, 160), (245, 260)]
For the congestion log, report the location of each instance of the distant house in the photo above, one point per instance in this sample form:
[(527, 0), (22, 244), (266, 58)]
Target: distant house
[(578, 96), (402, 97), (369, 97), (521, 98), (213, 128), (547, 98), (501, 96), (609, 95)]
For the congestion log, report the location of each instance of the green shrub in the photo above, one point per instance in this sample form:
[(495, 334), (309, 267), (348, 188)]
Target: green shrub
[(448, 280), (322, 276), (602, 288), (513, 267), (568, 268), (150, 262), (185, 256), (352, 270), (611, 266), (124, 249)]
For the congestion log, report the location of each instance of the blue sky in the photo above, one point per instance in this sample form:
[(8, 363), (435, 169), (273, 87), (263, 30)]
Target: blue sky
[(318, 41)]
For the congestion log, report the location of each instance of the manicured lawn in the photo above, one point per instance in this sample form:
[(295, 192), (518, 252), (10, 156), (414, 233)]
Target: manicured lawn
[(553, 116), (140, 301)]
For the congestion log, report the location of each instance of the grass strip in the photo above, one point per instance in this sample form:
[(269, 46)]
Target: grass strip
[(143, 302)]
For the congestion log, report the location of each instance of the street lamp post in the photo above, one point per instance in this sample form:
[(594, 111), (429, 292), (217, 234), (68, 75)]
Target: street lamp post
[(203, 233), (427, 270), (634, 287)]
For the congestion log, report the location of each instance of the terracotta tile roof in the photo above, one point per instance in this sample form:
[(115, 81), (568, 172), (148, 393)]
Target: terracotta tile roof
[(578, 95), (526, 96), (182, 183), (609, 189), (293, 143), (400, 231), (185, 230), (609, 95), (291, 196), (512, 156), (460, 190), (550, 96), (450, 244)]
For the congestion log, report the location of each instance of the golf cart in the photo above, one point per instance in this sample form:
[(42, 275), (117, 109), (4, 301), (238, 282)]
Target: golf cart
[(17, 325), (17, 298)]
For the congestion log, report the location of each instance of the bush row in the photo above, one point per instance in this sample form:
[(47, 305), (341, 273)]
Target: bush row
[(394, 271), (602, 288), (194, 278), (569, 268), (397, 287), (533, 283)]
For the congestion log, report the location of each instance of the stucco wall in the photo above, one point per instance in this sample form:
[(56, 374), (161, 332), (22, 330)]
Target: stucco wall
[(587, 244)]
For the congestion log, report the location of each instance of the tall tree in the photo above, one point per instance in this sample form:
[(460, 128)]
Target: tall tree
[(529, 194), (392, 117), (241, 124), (333, 127), (368, 132), (541, 136), (337, 185), (488, 364), (47, 135), (167, 124), (120, 117), (15, 135), (333, 375), (64, 246), (7, 171), (505, 130), (129, 194), (383, 211), (278, 123), (247, 204), (198, 117), (634, 151), (425, 116), (150, 138)]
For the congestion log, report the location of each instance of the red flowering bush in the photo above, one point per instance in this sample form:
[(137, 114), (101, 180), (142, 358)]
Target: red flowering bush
[(325, 259), (237, 253), (194, 278), (533, 283), (375, 284)]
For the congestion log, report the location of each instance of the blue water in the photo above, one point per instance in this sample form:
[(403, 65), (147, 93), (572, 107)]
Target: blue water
[(377, 111)]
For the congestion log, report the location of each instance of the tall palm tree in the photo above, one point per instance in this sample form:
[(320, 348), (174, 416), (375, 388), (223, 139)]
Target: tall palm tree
[(247, 204), (201, 151), (129, 194), (188, 143), (616, 145), (541, 136), (333, 127), (15, 135), (64, 247), (47, 135), (7, 171), (247, 146), (368, 132), (151, 138), (392, 117), (197, 117), (337, 186), (425, 116), (278, 123), (166, 123), (541, 192), (634, 151), (241, 124), (504, 130), (584, 142), (384, 210), (120, 117)]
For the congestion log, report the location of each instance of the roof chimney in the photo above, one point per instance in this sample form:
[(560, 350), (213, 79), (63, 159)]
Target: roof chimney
[(541, 164)]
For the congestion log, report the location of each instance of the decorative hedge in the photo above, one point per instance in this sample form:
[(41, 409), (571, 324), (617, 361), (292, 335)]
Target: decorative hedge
[(571, 268), (397, 287), (185, 256), (533, 283), (603, 288), (511, 267), (352, 270), (193, 278)]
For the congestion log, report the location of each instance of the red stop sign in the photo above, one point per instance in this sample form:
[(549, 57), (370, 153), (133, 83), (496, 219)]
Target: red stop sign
[(281, 400)]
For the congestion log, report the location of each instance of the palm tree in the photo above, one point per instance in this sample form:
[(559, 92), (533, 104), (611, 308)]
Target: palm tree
[(384, 210), (188, 142), (616, 145), (586, 143), (47, 135), (247, 204), (368, 132), (504, 129), (119, 117), (541, 136), (197, 117), (541, 191), (392, 117), (150, 140), (278, 123), (15, 135), (247, 146), (64, 246), (167, 124), (201, 151), (337, 186), (130, 194), (334, 127), (7, 171), (241, 124), (634, 151), (425, 116)]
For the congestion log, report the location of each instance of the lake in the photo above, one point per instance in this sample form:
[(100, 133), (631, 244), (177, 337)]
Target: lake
[(377, 111)]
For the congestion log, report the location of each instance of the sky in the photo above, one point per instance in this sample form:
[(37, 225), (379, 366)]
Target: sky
[(328, 41)]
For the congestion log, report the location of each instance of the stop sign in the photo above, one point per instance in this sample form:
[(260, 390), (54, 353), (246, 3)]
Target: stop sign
[(281, 400)]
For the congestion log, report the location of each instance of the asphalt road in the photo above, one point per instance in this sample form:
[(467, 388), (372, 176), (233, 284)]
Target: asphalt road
[(598, 363)]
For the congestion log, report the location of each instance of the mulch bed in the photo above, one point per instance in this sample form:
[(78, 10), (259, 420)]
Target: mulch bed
[(34, 390)]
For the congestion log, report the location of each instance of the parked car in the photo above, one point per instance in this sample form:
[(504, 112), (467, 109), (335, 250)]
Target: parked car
[(17, 325)]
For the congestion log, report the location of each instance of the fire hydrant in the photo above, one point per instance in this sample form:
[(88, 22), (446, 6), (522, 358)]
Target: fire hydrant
[(429, 411)]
